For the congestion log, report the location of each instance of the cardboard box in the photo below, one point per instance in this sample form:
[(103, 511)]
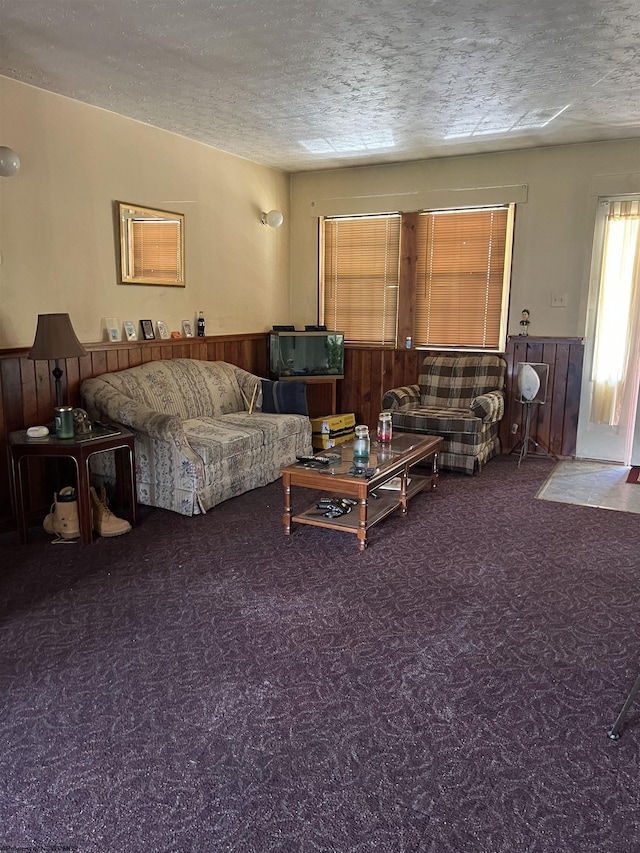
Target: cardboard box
[(332, 429)]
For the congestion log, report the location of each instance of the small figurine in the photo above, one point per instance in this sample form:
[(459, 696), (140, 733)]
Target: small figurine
[(525, 322)]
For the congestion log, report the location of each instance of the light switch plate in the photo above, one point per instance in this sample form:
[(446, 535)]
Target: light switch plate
[(559, 300)]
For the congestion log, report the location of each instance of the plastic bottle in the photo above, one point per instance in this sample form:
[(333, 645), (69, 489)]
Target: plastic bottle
[(200, 324)]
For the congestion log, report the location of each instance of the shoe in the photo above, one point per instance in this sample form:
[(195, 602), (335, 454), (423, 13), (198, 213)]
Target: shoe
[(105, 523), (63, 519)]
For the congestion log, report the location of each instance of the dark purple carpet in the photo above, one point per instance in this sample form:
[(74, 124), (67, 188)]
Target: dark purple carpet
[(208, 684)]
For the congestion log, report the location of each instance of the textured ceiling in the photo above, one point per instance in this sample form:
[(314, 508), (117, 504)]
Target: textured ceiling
[(311, 84)]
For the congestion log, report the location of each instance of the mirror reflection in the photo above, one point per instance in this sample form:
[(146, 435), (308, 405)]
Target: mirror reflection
[(151, 246)]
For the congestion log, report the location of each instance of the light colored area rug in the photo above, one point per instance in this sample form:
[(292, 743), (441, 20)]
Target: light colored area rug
[(597, 484)]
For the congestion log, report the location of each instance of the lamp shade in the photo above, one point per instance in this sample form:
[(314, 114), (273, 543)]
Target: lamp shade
[(55, 338)]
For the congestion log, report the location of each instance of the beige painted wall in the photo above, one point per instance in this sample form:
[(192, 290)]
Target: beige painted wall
[(557, 189), (57, 241), (58, 246)]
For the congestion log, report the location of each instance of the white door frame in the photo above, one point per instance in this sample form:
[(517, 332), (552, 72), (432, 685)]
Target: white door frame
[(601, 441)]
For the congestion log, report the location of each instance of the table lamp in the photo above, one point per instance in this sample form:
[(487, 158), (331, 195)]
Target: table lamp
[(55, 339)]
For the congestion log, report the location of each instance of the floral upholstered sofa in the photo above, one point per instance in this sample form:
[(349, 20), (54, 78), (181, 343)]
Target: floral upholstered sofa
[(459, 397), (197, 444)]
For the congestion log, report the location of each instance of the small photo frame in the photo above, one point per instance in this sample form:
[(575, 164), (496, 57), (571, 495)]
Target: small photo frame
[(187, 329), (163, 331), (112, 330), (129, 330), (147, 330)]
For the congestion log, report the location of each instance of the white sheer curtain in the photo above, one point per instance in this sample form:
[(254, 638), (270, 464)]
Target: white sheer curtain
[(618, 312)]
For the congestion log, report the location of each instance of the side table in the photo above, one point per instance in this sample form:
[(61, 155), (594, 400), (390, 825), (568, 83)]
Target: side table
[(80, 449)]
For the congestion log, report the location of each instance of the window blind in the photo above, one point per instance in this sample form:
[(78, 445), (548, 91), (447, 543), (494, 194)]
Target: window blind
[(156, 250), (359, 278), (462, 256)]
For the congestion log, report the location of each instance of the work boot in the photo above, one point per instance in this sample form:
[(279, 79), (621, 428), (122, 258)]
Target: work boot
[(105, 523), (63, 519)]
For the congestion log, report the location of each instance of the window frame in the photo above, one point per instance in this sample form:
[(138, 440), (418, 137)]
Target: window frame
[(407, 281), (151, 246), (482, 273), (387, 279)]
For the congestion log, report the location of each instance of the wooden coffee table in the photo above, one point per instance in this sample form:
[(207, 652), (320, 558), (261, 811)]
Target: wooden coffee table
[(392, 460)]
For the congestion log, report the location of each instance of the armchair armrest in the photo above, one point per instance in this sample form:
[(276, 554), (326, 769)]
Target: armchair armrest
[(489, 407), (401, 399)]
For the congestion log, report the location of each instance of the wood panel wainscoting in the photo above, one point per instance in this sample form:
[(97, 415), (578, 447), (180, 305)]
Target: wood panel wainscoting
[(369, 372), (555, 423), (27, 394)]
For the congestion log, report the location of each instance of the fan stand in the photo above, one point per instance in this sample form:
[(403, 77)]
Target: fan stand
[(527, 442), (614, 734)]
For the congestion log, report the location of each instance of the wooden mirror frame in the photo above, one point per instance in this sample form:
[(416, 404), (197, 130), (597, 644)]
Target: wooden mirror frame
[(168, 249)]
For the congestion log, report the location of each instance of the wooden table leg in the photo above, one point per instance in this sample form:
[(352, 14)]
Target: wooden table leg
[(362, 523), (125, 481), (84, 503), (21, 515), (403, 491), (286, 518)]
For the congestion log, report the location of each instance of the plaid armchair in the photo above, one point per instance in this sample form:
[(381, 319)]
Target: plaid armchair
[(459, 397)]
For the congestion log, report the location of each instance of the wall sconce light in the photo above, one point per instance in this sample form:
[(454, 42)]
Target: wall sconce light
[(9, 162), (273, 219)]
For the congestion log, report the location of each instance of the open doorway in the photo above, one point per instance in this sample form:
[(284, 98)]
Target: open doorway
[(608, 422)]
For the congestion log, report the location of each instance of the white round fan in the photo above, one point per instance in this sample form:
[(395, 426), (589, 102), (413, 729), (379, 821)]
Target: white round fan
[(528, 383)]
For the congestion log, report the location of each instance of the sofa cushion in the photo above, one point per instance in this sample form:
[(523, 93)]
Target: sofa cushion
[(456, 380), (181, 386), (284, 398), (269, 429), (214, 439), (437, 421)]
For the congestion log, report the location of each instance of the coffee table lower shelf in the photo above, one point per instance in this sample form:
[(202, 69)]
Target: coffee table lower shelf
[(388, 501)]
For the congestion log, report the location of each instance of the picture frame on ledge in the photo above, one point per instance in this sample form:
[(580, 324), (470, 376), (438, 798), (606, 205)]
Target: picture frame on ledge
[(187, 329), (130, 330), (147, 330), (111, 329), (163, 331)]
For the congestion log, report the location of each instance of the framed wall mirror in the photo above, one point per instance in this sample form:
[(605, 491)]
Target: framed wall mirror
[(151, 246)]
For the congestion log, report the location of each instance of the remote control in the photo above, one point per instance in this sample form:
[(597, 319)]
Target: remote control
[(337, 500), (335, 503), (367, 473), (314, 460)]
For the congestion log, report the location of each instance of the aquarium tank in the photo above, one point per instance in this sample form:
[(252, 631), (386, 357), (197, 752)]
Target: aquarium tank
[(296, 354)]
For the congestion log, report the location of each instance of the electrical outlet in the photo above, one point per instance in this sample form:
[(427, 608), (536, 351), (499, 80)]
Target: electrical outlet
[(514, 428), (559, 300)]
